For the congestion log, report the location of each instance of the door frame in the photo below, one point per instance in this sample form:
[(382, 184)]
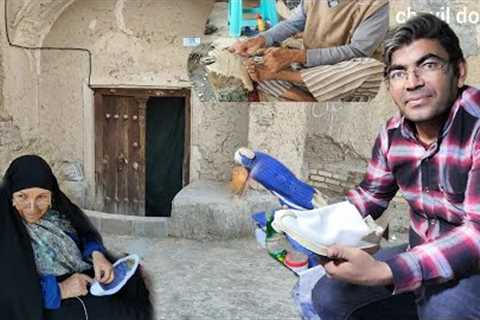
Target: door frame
[(145, 93)]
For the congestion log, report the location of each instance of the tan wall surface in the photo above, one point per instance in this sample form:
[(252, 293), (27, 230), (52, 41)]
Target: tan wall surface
[(133, 42), (219, 129)]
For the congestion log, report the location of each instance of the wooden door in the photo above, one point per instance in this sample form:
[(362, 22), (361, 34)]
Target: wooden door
[(120, 153)]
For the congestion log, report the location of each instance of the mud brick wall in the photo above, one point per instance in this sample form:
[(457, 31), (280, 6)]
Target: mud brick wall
[(334, 181)]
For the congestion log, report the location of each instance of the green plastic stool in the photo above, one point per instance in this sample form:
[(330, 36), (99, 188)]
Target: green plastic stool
[(236, 21)]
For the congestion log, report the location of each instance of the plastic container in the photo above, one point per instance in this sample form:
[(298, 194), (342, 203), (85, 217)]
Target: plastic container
[(260, 23), (296, 261), (276, 246), (275, 242)]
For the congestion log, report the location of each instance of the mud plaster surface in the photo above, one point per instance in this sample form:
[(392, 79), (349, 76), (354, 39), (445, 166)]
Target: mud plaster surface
[(133, 42)]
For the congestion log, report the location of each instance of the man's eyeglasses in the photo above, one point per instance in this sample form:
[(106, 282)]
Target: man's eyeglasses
[(428, 67)]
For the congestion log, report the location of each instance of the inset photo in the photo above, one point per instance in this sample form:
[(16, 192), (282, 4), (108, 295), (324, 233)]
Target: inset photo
[(291, 50)]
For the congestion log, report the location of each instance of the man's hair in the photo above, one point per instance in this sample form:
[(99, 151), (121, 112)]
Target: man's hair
[(424, 26)]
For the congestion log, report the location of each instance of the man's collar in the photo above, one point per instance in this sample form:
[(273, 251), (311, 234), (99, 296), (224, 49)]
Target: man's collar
[(333, 3)]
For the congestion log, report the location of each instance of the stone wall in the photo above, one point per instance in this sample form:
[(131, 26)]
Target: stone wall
[(331, 182)]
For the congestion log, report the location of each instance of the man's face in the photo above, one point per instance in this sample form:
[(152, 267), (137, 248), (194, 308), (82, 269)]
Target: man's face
[(430, 87)]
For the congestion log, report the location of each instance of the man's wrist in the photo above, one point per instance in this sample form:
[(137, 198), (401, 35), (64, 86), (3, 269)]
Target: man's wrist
[(300, 56), (267, 39), (261, 41)]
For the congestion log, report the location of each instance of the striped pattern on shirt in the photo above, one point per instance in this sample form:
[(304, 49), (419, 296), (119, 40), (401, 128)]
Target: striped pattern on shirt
[(441, 183), (358, 79)]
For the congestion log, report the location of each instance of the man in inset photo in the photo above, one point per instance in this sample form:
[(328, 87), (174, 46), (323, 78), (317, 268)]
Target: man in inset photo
[(339, 56)]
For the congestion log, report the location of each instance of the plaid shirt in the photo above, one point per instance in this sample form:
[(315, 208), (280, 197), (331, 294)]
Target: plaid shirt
[(441, 183)]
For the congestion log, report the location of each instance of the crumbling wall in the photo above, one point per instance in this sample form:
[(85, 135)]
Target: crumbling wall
[(29, 21), (339, 141), (334, 167), (19, 107), (280, 129), (219, 129)]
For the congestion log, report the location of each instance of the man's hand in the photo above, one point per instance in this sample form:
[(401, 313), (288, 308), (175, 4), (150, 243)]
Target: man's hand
[(356, 266), (247, 47), (276, 59), (75, 286), (102, 267), (258, 72)]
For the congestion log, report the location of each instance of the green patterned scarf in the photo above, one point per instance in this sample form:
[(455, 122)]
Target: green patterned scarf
[(55, 252)]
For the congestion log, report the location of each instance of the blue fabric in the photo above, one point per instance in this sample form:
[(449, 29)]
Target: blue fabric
[(278, 179), (51, 295), (260, 219), (89, 246), (50, 292)]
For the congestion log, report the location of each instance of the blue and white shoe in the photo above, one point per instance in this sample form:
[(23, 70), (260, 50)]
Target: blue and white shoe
[(278, 179)]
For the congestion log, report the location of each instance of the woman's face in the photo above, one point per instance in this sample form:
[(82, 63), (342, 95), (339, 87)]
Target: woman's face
[(32, 203)]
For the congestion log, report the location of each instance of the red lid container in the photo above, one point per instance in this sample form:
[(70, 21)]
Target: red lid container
[(295, 259)]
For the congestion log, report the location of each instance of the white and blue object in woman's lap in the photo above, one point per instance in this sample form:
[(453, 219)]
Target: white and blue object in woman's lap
[(123, 270)]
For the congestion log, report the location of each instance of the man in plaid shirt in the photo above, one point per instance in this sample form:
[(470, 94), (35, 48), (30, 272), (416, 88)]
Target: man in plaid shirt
[(430, 152)]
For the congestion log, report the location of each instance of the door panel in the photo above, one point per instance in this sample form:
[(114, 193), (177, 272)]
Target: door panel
[(121, 138), (164, 153), (120, 171)]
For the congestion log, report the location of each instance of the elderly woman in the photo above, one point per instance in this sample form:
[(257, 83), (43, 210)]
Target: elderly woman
[(50, 253)]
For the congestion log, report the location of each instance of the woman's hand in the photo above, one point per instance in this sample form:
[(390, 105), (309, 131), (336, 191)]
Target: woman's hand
[(74, 286), (102, 267)]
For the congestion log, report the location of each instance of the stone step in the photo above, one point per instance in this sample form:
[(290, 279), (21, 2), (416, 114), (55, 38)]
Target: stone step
[(208, 210), (128, 225)]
